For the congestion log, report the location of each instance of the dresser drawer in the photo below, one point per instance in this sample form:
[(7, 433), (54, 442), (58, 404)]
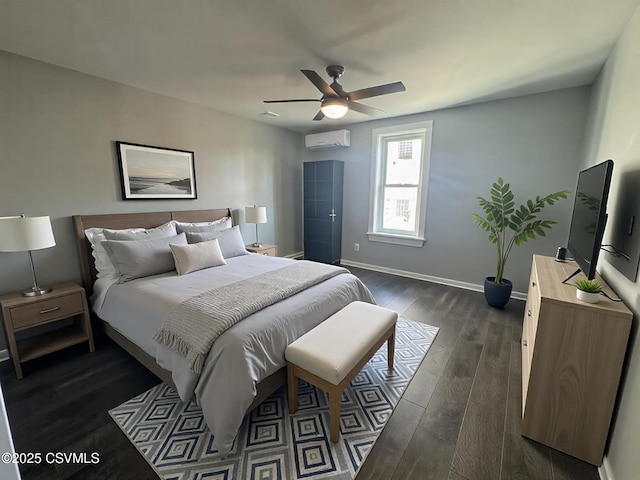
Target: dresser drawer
[(46, 310)]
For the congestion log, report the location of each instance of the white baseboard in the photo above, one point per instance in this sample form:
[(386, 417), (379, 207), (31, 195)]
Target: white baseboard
[(295, 255), (604, 470), (428, 278), (4, 355)]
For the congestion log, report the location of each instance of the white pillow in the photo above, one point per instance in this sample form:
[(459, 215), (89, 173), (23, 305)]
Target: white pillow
[(214, 226), (190, 258), (97, 235), (166, 230), (104, 267)]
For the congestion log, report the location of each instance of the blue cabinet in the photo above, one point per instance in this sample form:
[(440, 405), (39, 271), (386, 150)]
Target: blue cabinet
[(323, 183)]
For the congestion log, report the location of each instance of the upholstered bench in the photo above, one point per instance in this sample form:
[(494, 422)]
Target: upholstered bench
[(332, 354)]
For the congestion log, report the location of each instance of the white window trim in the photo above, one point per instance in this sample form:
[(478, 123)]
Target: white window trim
[(426, 130)]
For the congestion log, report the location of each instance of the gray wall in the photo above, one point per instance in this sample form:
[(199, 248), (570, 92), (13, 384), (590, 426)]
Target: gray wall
[(533, 142), (613, 127), (57, 158)]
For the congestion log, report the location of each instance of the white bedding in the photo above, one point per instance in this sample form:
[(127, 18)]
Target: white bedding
[(240, 358)]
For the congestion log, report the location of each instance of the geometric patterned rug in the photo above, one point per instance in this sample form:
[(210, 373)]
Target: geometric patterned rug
[(271, 444)]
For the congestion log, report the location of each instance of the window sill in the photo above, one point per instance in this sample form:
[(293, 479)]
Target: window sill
[(406, 240)]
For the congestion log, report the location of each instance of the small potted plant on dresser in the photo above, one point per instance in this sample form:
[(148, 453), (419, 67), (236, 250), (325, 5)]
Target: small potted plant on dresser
[(588, 290), (509, 226)]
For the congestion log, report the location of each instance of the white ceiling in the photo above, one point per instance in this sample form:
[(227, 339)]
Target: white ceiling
[(232, 54)]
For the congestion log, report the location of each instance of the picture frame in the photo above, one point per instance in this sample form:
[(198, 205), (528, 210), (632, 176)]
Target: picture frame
[(152, 173)]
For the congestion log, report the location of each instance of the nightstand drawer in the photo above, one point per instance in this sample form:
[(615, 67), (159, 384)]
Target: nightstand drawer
[(45, 311), (269, 250)]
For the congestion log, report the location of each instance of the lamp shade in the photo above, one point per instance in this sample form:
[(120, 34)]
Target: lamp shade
[(255, 214), (334, 107), (19, 234)]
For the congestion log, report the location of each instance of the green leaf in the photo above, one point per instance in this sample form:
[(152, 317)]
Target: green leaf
[(501, 213)]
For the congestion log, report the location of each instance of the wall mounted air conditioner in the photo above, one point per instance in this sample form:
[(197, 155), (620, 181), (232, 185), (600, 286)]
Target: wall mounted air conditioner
[(337, 138)]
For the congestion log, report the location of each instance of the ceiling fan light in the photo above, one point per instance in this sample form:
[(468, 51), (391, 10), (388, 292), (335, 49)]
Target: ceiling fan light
[(334, 107)]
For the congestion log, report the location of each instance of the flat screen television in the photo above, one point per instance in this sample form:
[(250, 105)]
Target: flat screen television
[(589, 217)]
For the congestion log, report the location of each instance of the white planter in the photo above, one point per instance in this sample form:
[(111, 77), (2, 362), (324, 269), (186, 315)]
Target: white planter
[(587, 296)]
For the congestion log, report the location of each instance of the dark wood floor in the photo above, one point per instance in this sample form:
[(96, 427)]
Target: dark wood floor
[(458, 419)]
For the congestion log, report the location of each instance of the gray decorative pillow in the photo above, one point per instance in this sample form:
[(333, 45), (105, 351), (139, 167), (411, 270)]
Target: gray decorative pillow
[(141, 258), (166, 230), (190, 258), (214, 226), (230, 240)]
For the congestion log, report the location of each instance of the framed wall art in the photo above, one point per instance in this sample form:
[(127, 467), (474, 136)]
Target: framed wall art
[(151, 173)]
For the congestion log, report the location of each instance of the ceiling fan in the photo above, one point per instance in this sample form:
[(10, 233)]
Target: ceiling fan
[(335, 102)]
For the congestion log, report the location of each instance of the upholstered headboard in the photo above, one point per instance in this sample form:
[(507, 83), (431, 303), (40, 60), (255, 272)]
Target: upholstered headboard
[(129, 220)]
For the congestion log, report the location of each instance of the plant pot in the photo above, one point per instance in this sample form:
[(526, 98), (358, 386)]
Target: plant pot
[(497, 294), (588, 297)]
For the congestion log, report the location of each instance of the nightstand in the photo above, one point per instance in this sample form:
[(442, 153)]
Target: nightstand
[(66, 300), (270, 250)]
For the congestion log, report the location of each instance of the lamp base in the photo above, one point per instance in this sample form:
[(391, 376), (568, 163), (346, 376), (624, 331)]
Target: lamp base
[(35, 291), (257, 245)]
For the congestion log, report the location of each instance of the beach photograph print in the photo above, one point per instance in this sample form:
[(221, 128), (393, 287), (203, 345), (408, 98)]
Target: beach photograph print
[(155, 173)]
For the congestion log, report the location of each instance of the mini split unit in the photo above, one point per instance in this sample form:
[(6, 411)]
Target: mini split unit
[(337, 138)]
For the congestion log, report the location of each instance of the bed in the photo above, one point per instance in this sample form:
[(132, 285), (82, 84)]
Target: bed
[(245, 364)]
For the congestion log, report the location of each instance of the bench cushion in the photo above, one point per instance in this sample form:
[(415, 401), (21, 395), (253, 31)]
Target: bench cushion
[(334, 347)]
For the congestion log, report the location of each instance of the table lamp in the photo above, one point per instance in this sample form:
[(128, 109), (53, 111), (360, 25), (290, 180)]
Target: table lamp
[(256, 214), (24, 234)]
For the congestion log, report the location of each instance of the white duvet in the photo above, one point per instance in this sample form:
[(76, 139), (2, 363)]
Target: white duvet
[(240, 358)]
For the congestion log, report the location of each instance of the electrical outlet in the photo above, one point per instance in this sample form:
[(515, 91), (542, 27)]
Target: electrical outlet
[(356, 247)]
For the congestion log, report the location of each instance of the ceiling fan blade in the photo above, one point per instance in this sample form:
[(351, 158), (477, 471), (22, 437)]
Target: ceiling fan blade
[(367, 110), (319, 83), (319, 116), (376, 91), (294, 100)]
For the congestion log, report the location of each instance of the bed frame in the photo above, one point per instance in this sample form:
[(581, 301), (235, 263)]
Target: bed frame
[(150, 220)]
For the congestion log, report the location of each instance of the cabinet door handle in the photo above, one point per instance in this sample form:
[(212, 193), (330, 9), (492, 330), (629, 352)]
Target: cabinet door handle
[(528, 313), (49, 310), (533, 284), (524, 343)]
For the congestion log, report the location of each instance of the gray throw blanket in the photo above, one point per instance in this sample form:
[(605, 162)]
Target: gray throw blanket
[(193, 326)]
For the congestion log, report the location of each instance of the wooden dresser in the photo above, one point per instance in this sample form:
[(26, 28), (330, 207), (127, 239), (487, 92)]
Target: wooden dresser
[(572, 356)]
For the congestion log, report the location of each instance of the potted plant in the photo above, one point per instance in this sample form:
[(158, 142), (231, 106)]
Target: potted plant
[(588, 290), (509, 226)]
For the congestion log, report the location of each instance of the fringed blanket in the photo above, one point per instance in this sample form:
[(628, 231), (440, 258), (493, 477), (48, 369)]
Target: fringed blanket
[(196, 323)]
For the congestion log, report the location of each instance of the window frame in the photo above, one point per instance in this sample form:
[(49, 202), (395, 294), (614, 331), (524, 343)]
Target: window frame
[(380, 136)]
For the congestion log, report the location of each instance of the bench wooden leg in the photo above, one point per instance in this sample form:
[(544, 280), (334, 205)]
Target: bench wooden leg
[(335, 397), (292, 389), (391, 349)]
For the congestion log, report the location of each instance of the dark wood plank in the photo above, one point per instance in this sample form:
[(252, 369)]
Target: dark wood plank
[(524, 459), (386, 453), (492, 377), (570, 468), (423, 383), (514, 403), (444, 414), (427, 456), (479, 446), (454, 476)]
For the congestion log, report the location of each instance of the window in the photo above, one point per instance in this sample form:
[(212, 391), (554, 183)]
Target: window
[(399, 183)]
